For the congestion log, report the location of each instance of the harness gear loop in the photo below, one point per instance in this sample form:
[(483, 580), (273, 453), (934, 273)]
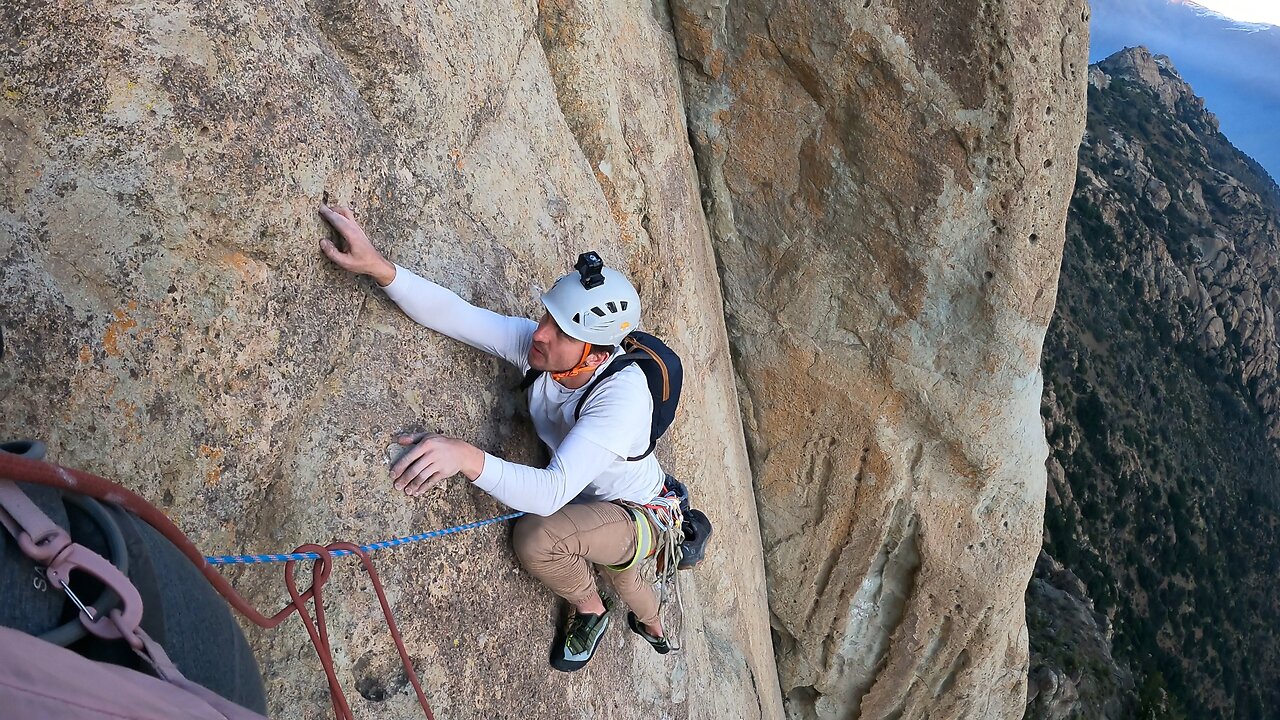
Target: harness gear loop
[(665, 517)]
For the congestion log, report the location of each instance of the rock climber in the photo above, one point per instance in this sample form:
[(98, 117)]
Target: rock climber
[(571, 521)]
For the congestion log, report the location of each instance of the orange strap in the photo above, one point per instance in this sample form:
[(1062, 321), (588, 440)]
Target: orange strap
[(577, 370)]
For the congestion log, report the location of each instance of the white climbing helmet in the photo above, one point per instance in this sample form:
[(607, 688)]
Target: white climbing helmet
[(594, 304)]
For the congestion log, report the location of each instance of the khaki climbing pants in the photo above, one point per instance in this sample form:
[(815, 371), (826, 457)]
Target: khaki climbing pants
[(559, 550)]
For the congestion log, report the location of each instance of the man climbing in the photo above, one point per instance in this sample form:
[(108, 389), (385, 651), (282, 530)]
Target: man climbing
[(571, 521)]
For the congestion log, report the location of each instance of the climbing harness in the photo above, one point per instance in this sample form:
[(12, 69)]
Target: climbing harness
[(659, 531)]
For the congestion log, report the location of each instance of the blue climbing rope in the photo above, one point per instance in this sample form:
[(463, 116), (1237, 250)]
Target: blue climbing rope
[(286, 557)]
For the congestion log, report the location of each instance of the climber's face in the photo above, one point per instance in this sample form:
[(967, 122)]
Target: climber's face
[(552, 350)]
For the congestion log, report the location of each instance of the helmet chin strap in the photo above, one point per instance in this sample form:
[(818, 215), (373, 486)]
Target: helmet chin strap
[(578, 369)]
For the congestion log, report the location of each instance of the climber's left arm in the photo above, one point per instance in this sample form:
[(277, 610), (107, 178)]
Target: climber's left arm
[(432, 460)]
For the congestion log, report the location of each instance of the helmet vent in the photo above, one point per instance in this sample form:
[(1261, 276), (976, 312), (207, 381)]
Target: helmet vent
[(600, 309)]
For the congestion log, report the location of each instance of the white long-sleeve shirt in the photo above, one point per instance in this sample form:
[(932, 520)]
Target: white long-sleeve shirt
[(589, 455)]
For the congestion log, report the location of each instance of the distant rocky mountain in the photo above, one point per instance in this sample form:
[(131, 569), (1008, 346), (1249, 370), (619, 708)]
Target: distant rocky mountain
[(1157, 594), (1231, 64)]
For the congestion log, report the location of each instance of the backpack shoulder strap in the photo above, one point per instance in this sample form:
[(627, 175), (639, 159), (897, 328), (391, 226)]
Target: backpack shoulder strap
[(530, 376), (619, 364)]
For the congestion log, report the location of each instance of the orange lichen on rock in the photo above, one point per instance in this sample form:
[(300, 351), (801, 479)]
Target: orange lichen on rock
[(122, 324), (241, 263), (214, 475)]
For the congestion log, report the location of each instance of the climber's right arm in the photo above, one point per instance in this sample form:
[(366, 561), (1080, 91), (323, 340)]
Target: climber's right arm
[(426, 302)]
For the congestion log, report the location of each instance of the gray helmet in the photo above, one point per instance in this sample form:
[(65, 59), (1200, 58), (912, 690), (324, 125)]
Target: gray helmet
[(594, 304)]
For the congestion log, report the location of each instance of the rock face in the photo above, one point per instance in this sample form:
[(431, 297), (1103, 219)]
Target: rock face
[(1160, 409), (170, 323), (886, 185)]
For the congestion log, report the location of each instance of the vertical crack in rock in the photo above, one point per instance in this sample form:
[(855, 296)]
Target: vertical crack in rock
[(939, 640), (837, 520), (877, 610), (596, 101), (949, 680), (755, 691), (823, 576)]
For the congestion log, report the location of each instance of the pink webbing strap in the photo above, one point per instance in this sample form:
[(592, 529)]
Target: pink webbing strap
[(21, 517), (43, 541)]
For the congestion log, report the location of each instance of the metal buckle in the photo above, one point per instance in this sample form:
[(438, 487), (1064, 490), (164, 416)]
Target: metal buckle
[(75, 599), (116, 625)]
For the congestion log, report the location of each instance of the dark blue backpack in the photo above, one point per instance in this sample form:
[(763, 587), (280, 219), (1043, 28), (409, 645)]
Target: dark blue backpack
[(662, 370)]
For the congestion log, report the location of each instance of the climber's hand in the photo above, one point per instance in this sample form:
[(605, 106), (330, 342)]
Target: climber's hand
[(358, 255), (432, 460)]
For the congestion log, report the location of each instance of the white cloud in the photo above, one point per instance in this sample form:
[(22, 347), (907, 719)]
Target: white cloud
[(1254, 11)]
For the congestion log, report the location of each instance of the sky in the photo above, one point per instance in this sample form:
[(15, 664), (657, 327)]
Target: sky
[(1233, 65), (1254, 11)]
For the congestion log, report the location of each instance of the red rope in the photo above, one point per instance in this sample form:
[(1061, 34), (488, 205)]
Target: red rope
[(20, 469)]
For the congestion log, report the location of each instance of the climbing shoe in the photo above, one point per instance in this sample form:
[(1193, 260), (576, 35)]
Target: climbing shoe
[(675, 487), (579, 639), (697, 531), (659, 643)]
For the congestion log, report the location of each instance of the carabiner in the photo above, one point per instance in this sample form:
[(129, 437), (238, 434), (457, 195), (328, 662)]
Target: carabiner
[(121, 624)]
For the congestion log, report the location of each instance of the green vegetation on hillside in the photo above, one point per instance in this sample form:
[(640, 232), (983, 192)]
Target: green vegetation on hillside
[(1167, 504)]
